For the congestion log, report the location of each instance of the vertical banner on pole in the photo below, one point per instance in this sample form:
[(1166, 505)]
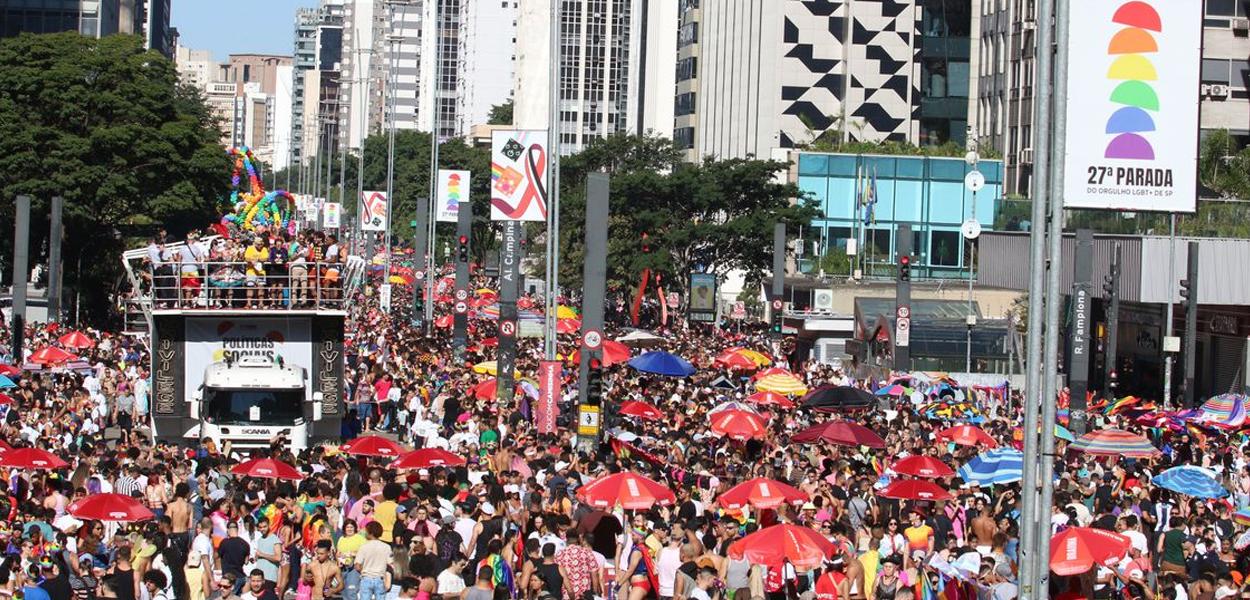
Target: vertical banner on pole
[(509, 285), (460, 306), (374, 211), (331, 215), (518, 175), (594, 281), (453, 188), (1132, 120), (548, 406), (1078, 353)]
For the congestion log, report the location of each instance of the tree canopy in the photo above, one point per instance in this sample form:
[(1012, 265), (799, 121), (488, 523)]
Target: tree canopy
[(103, 124)]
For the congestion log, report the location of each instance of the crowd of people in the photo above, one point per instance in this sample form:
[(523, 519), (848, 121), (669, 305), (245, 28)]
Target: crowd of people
[(511, 523)]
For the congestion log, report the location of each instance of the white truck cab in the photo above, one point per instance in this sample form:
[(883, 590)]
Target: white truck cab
[(249, 401)]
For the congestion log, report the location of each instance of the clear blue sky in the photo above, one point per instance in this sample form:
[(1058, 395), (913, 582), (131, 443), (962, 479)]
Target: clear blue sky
[(226, 27)]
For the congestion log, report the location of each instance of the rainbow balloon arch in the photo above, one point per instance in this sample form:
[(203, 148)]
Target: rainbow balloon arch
[(252, 208)]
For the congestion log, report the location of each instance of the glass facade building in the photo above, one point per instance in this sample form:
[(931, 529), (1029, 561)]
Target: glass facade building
[(925, 192)]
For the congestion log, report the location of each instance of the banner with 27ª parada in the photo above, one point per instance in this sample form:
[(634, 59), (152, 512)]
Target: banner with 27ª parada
[(1132, 105)]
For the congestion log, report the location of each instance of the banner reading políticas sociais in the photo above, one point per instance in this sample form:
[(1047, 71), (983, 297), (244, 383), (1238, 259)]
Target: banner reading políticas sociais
[(453, 188), (1132, 106), (518, 175)]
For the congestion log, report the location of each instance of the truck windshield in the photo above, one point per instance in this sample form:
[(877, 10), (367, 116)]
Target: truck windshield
[(257, 407)]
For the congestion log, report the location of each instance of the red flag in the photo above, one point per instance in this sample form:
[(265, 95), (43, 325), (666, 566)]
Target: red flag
[(659, 288), (548, 406), (642, 289)]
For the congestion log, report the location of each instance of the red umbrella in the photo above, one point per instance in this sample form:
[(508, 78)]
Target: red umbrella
[(739, 425), (779, 544), (642, 410), (967, 435), (51, 355), (31, 458), (443, 322), (9, 370), (915, 489), (5, 398), (1115, 442), (568, 326), (486, 390), (77, 340), (922, 466), (770, 371), (266, 468), (770, 399), (628, 490), (490, 342), (732, 360), (373, 445), (842, 433), (761, 493), (425, 458), (612, 351), (110, 507), (1076, 550)]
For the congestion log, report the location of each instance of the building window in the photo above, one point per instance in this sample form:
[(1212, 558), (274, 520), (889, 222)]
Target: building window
[(683, 137), (944, 248), (684, 104)]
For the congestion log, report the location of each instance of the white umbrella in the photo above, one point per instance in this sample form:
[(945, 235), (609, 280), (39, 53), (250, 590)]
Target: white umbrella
[(640, 338)]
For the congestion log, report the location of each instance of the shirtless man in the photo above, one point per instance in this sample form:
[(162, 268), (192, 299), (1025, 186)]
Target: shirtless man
[(327, 578), (180, 516), (983, 528)]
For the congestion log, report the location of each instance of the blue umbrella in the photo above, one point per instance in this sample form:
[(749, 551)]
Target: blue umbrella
[(662, 363), (1191, 481), (997, 466), (1062, 433), (6, 383)]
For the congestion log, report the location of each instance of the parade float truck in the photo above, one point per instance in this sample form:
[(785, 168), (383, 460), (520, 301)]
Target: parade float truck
[(247, 377)]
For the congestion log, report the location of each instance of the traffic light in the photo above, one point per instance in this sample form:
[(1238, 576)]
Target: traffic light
[(775, 323), (904, 268), (462, 249), (1186, 294), (594, 383)]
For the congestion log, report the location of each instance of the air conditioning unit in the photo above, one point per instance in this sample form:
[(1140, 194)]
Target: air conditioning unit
[(1219, 91), (1241, 24), (1026, 156), (822, 300)]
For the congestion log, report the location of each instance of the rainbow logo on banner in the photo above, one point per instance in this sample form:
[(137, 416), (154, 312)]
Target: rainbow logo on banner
[(453, 192), (1131, 47)]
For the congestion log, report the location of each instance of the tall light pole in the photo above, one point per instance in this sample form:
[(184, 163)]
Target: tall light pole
[(553, 187), (431, 220), (360, 158), (393, 46)]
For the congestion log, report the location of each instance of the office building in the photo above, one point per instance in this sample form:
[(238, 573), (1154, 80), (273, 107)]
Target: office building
[(315, 84), (757, 76), (250, 95), (148, 19), (616, 70), (487, 61)]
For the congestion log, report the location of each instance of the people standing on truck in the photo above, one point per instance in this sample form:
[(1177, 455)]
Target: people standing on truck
[(330, 285), (297, 257), (276, 272), (193, 253), (256, 256)]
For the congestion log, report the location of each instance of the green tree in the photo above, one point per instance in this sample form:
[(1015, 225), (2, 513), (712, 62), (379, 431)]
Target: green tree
[(716, 215), (103, 124), (500, 114)]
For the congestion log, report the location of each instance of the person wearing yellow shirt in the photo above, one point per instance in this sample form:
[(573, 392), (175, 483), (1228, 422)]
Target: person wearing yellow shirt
[(387, 511), (255, 256), (919, 536)]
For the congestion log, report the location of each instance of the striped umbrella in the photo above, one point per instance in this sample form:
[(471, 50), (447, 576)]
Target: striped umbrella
[(1191, 481), (1225, 410), (994, 467), (1242, 516), (1115, 442), (786, 384)]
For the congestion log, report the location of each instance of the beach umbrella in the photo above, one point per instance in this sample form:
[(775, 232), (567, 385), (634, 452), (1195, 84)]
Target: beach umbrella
[(966, 435), (114, 508), (1062, 433), (1191, 481), (491, 368), (919, 465), (769, 371), (994, 467), (486, 390), (9, 370), (1076, 550), (774, 546), (6, 399), (1226, 410), (31, 458), (444, 322), (565, 312), (755, 356), (640, 339), (568, 326), (490, 342), (77, 340), (1115, 442), (893, 390), (762, 493), (914, 489), (739, 425), (770, 399), (627, 490), (373, 445), (782, 383), (425, 458), (733, 360), (6, 383), (842, 433), (51, 355), (662, 363), (1242, 516), (642, 410), (611, 353), (837, 398), (267, 468)]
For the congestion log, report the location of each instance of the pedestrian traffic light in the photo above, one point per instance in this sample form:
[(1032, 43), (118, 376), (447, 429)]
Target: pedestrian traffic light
[(775, 323), (904, 268), (1186, 294), (594, 383), (462, 252)]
